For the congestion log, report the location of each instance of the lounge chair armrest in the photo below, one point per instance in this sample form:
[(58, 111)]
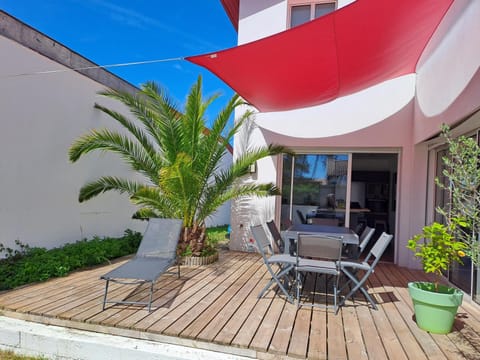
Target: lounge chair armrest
[(355, 265)]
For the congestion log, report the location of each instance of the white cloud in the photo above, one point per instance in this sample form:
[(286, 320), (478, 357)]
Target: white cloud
[(135, 19)]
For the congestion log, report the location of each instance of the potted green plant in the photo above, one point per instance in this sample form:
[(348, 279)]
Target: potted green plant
[(441, 245), (436, 305)]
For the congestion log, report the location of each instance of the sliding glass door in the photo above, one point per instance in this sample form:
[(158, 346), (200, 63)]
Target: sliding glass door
[(314, 189), (341, 189)]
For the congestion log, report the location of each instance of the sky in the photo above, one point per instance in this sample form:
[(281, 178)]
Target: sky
[(122, 31)]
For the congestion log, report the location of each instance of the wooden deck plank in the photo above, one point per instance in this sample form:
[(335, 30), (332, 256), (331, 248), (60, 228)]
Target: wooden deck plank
[(264, 333), (10, 297), (211, 321), (164, 298), (371, 336), (256, 317), (464, 345), (218, 303), (428, 345), (48, 292), (171, 301), (353, 334), (317, 346), (212, 306), (283, 331), (298, 344), (242, 313), (88, 310), (190, 308), (454, 345), (91, 310), (392, 329), (166, 285), (141, 293), (219, 322)]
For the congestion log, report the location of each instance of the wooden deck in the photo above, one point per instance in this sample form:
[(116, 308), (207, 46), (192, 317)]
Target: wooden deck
[(216, 307)]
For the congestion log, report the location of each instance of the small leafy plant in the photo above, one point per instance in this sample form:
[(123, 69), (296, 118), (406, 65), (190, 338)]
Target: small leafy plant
[(33, 264), (461, 181), (437, 247), (214, 236)]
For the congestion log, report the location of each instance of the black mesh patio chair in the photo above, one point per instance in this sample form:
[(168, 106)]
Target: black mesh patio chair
[(301, 217), (364, 239), (284, 263), (276, 236), (155, 255), (319, 254), (366, 267)]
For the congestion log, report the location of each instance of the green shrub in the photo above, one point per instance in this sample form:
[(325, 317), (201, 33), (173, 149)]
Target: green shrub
[(28, 265), (31, 264), (216, 234), (10, 355)]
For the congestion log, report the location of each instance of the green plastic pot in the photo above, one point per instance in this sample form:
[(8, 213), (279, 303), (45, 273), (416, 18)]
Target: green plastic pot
[(435, 311)]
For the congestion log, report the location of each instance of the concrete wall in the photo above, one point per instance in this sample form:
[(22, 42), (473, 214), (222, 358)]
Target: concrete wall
[(41, 115), (222, 215)]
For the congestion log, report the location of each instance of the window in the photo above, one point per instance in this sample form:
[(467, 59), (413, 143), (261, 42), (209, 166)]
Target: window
[(303, 11), (314, 184)]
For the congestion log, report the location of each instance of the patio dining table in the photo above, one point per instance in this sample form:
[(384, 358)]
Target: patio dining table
[(350, 238)]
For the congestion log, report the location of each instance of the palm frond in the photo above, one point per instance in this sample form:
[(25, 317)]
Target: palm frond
[(214, 146), (241, 165), (165, 126), (132, 128), (145, 213), (214, 197), (107, 140), (151, 198), (107, 183), (183, 185)]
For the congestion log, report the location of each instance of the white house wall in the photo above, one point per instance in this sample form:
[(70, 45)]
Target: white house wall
[(343, 115), (259, 19), (41, 116), (456, 56), (262, 18), (398, 115), (377, 118)]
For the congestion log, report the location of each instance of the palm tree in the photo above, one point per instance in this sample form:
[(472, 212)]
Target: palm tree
[(178, 157)]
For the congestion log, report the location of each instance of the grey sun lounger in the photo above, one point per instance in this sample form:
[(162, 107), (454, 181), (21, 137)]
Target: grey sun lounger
[(155, 255)]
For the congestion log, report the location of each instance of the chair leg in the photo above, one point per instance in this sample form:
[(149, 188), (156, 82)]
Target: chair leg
[(335, 306), (105, 295), (297, 287), (276, 279), (358, 286), (364, 292)]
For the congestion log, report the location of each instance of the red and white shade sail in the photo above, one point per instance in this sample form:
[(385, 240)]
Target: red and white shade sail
[(355, 47)]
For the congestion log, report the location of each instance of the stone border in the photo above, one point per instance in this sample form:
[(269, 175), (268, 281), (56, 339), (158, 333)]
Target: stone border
[(57, 342), (198, 260)]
